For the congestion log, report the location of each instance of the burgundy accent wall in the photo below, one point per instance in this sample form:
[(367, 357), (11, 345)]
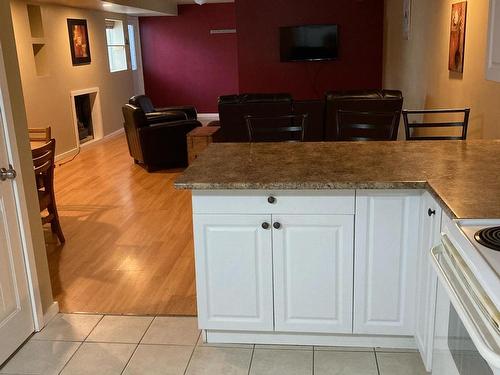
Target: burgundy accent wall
[(183, 63), (360, 56)]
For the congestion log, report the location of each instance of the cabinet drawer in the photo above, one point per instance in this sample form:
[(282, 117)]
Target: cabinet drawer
[(339, 202)]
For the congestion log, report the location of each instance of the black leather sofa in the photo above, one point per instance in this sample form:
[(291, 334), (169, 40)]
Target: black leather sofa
[(322, 114), (157, 144)]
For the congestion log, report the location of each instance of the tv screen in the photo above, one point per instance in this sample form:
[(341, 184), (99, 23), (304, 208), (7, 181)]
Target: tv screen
[(309, 43)]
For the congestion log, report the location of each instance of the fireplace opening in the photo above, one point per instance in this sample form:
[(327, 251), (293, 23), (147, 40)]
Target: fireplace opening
[(83, 109)]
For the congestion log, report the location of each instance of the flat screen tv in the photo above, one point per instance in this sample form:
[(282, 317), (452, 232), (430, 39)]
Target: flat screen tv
[(309, 43)]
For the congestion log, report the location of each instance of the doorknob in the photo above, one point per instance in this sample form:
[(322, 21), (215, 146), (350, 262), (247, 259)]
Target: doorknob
[(7, 174)]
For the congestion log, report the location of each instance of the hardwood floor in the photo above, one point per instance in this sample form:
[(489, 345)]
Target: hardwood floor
[(129, 246)]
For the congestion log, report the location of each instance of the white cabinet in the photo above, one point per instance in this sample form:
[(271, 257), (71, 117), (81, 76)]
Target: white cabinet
[(386, 244), (234, 272), (313, 266), (430, 227)]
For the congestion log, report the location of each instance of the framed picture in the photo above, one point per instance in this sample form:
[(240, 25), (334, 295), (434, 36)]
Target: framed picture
[(406, 19), (457, 37), (79, 41)]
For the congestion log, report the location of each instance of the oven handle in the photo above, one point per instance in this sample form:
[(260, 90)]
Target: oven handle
[(477, 335)]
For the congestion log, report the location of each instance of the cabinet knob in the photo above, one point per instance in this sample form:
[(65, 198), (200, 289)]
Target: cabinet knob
[(431, 212), (276, 225), (271, 199), (265, 225)]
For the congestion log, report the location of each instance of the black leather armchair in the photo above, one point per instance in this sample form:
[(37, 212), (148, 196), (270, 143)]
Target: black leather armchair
[(159, 144), (154, 114)]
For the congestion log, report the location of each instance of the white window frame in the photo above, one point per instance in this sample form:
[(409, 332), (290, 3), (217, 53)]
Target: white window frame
[(111, 46)]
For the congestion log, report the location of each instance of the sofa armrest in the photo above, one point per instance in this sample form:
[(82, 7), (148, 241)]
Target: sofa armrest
[(189, 110), (169, 125), (167, 116)]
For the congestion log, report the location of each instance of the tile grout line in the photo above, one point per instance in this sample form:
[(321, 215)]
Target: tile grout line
[(313, 350), (192, 353), (137, 346), (71, 357), (81, 344), (376, 361), (251, 359)]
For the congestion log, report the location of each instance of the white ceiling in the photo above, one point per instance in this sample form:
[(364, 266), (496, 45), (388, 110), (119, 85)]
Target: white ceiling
[(118, 6)]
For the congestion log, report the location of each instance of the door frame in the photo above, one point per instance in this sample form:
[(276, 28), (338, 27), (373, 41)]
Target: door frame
[(20, 197)]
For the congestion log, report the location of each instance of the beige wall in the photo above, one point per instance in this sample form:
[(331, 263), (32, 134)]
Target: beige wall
[(419, 67), (23, 161), (47, 97)]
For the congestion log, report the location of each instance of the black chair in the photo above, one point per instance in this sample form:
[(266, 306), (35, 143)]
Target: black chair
[(157, 145), (287, 128), (163, 114), (367, 126), (411, 127), (366, 115)]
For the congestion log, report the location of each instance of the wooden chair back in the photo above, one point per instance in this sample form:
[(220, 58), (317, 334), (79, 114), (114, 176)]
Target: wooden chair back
[(410, 127), (43, 162), (287, 128), (40, 135), (367, 125)]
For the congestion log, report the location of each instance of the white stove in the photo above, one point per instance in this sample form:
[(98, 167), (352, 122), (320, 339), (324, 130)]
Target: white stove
[(467, 321)]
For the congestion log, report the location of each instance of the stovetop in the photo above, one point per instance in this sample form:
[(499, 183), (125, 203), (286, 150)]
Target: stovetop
[(472, 230), (489, 237)]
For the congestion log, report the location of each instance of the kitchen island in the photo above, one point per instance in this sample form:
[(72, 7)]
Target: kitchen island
[(327, 243)]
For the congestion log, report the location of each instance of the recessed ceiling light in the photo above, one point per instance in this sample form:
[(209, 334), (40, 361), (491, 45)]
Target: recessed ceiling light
[(106, 5)]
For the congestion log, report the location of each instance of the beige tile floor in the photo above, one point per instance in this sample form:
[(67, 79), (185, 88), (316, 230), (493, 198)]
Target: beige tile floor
[(101, 345)]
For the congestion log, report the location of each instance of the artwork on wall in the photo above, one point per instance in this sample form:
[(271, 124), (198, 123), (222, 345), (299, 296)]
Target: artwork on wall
[(406, 19), (79, 41), (457, 37)]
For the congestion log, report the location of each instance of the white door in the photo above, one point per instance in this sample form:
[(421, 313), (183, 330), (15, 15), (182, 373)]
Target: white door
[(386, 245), (16, 320), (493, 52), (313, 273), (234, 272), (430, 236)]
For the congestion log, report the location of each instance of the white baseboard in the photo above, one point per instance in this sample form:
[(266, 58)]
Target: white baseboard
[(67, 154), (114, 134), (278, 338), (208, 116), (51, 312), (74, 151)]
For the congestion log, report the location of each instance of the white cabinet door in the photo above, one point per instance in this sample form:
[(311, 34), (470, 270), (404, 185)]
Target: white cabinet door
[(386, 245), (430, 227), (313, 273), (16, 319), (234, 272)]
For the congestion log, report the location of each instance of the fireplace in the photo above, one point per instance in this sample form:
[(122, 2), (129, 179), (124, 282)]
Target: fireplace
[(87, 115), (83, 109)]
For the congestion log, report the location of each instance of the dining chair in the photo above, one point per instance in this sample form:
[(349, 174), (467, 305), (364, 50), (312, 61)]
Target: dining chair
[(287, 128), (40, 135), (461, 125), (43, 162), (354, 125)]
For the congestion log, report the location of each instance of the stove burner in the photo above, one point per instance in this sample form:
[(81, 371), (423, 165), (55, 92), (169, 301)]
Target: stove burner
[(489, 237)]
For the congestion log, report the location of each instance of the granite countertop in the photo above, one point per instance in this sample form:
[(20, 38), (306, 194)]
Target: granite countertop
[(463, 175)]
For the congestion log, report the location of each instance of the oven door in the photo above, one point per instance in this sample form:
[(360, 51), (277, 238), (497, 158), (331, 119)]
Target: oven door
[(466, 336)]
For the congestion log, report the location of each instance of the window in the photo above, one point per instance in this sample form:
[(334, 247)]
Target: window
[(116, 45), (131, 40)]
